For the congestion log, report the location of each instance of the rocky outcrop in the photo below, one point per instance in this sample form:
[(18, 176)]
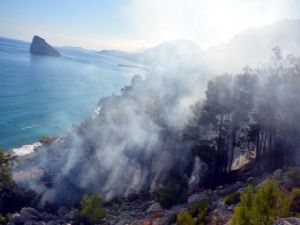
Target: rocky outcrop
[(41, 47), (288, 221)]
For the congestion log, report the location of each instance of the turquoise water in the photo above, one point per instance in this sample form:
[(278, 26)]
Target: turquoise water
[(41, 95)]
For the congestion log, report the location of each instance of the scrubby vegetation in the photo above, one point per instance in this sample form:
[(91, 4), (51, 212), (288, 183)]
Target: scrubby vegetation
[(47, 139), (232, 198), (293, 178), (92, 211), (185, 219), (195, 215), (262, 207), (6, 182), (173, 192)]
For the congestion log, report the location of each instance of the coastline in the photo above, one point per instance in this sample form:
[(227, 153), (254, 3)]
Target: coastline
[(25, 149)]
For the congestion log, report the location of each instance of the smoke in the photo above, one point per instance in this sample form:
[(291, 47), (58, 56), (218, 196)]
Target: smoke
[(129, 146), (135, 139)]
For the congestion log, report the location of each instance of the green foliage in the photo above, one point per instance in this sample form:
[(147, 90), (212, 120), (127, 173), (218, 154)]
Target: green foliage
[(6, 182), (47, 140), (172, 193), (293, 175), (185, 219), (91, 211), (198, 206), (295, 206), (263, 207), (2, 220), (199, 209), (242, 212), (232, 198)]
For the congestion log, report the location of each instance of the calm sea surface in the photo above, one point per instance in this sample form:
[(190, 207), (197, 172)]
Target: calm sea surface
[(42, 95)]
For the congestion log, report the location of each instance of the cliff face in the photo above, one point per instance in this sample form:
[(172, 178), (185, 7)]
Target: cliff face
[(41, 47)]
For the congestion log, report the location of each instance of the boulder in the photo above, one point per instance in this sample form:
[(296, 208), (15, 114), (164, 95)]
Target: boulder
[(26, 214), (288, 221), (62, 211), (155, 207), (41, 47), (196, 197), (278, 174)]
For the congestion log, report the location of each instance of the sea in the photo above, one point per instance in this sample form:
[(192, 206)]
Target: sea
[(46, 96)]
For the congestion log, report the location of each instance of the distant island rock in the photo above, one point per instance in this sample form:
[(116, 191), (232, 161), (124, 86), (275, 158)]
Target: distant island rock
[(41, 47)]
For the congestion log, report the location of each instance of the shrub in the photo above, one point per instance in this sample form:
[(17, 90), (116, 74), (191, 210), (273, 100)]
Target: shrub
[(172, 193), (198, 207), (232, 198), (47, 140), (242, 214), (295, 205), (2, 220), (185, 219), (6, 182), (92, 211), (293, 176), (263, 207)]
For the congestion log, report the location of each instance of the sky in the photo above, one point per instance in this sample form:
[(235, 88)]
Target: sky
[(133, 24)]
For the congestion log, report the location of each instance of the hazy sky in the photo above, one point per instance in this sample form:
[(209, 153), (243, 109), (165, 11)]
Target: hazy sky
[(132, 24)]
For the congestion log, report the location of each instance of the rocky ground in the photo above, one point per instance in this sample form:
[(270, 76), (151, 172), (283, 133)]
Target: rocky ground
[(140, 211)]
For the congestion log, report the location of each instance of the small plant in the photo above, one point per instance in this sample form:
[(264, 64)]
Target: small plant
[(91, 211), (172, 193), (6, 183), (185, 219), (293, 175), (232, 198), (265, 206), (198, 207), (295, 205), (2, 220)]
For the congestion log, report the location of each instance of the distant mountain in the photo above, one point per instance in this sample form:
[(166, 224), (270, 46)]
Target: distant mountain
[(170, 55), (115, 53), (252, 47)]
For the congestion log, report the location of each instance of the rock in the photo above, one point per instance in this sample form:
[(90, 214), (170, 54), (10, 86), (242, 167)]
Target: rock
[(155, 207), (62, 211), (41, 47), (71, 214), (196, 197), (250, 180), (288, 221), (47, 216), (278, 174), (26, 214), (28, 222), (121, 222), (230, 189)]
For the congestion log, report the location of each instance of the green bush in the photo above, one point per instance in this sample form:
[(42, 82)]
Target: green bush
[(198, 207), (232, 198), (295, 205), (2, 220), (91, 211), (47, 140), (293, 175), (6, 182), (185, 219), (265, 206), (172, 193)]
